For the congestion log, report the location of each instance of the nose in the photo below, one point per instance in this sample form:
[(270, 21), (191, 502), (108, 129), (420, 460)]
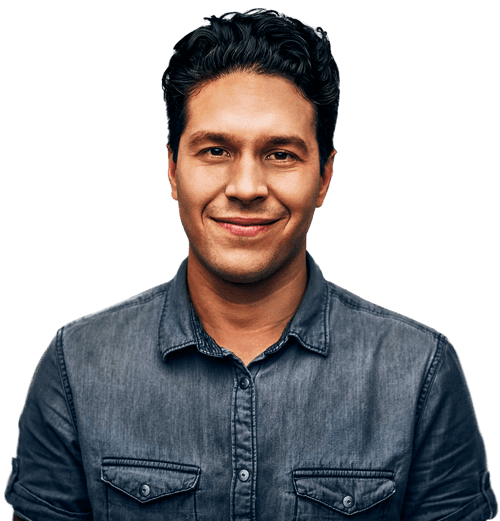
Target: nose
[(247, 181)]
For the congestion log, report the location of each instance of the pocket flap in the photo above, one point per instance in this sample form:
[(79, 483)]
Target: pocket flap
[(146, 480), (346, 491)]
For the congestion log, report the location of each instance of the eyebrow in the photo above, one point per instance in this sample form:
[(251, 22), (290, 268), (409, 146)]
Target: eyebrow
[(224, 138)]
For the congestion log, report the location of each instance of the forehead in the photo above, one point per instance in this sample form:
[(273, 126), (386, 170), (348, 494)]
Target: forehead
[(250, 105)]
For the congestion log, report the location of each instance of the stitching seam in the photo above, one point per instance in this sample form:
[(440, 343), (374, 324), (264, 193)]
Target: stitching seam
[(64, 377)]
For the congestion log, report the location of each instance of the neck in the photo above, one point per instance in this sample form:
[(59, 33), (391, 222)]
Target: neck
[(246, 318)]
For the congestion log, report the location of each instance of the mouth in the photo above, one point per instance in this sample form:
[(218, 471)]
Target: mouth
[(245, 226)]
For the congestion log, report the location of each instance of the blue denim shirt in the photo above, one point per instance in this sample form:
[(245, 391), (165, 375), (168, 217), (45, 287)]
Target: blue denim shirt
[(136, 414)]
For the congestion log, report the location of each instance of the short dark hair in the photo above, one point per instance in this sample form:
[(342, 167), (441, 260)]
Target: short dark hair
[(260, 41)]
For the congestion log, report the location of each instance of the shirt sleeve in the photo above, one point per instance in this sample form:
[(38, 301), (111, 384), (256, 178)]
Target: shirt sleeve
[(448, 477), (47, 480)]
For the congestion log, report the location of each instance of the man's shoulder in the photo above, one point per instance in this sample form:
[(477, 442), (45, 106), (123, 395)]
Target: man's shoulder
[(131, 313), (369, 318)]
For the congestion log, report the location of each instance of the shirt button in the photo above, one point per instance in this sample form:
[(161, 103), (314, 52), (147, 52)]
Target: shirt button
[(244, 383), (348, 501), (144, 490), (243, 474)]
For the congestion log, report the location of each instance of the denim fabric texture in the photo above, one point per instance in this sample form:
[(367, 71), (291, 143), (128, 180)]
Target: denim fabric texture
[(136, 414)]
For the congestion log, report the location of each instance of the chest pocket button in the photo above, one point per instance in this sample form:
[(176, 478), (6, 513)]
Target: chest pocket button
[(348, 501)]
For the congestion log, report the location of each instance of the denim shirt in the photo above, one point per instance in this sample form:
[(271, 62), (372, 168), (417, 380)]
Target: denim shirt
[(136, 414)]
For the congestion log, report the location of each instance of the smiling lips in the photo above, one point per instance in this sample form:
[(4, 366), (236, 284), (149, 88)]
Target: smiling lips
[(245, 226)]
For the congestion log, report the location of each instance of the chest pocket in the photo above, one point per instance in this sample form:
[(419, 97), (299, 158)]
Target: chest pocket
[(142, 490), (324, 494)]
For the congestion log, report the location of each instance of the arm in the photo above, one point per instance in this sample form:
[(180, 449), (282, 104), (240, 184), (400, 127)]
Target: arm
[(448, 474), (48, 481)]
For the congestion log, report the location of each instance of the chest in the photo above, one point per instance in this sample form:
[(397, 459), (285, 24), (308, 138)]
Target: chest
[(222, 441)]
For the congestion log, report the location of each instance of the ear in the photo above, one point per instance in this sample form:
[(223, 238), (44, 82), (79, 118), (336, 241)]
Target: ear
[(172, 173), (325, 179)]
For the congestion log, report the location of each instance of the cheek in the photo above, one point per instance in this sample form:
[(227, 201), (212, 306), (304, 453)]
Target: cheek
[(299, 197), (195, 191)]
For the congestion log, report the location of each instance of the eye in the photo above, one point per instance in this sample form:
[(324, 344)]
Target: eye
[(281, 156), (216, 151)]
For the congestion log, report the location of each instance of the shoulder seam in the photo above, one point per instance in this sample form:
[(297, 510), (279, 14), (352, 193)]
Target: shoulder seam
[(128, 303), (388, 314), (137, 302), (64, 377), (429, 379)]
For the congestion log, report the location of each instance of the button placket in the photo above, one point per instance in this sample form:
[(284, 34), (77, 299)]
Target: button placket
[(243, 440)]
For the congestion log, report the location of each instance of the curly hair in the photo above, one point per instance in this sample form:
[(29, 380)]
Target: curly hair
[(260, 41)]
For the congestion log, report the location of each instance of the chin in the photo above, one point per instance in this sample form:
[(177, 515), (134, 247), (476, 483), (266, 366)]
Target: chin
[(240, 267), (247, 269), (241, 274)]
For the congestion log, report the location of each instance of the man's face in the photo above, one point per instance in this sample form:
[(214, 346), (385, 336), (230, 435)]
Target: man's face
[(247, 175)]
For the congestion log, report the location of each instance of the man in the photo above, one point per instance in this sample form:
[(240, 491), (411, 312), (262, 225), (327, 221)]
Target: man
[(249, 387)]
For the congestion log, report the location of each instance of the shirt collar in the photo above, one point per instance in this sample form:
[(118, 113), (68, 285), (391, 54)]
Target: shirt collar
[(180, 327)]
